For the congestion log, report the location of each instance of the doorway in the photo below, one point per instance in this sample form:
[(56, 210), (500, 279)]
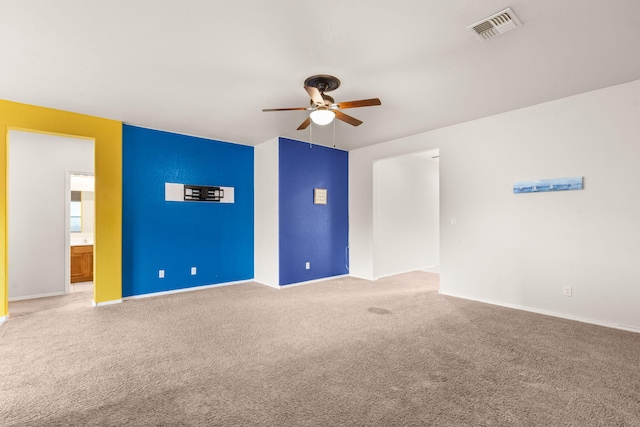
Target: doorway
[(406, 214), (80, 220), (107, 137), (38, 210)]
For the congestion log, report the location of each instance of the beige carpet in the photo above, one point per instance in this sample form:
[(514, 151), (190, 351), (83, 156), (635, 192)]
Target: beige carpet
[(342, 352)]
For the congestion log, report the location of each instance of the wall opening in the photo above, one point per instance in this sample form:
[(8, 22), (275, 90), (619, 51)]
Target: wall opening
[(38, 211), (107, 137), (81, 222), (406, 219)]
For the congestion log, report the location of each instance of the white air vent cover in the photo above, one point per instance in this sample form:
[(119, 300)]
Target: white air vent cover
[(495, 25)]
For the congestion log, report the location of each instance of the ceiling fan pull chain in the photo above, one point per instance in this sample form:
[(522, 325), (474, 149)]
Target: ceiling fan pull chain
[(334, 134)]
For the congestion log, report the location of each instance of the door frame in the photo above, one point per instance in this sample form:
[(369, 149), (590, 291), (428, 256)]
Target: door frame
[(67, 225)]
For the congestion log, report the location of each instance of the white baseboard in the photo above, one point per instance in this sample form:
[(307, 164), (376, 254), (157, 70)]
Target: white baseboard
[(432, 269), (268, 284), (411, 270), (3, 319), (308, 282), (551, 313), (52, 294), (194, 288), (100, 304)]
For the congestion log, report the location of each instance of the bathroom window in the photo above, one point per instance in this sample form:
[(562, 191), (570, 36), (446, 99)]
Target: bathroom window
[(76, 212)]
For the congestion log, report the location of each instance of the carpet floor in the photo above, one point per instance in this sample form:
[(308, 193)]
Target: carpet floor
[(343, 352)]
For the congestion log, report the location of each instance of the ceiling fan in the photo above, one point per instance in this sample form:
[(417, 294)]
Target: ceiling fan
[(323, 107)]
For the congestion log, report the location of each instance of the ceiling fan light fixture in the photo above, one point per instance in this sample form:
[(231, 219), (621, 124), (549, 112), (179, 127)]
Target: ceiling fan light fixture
[(322, 116), (323, 108)]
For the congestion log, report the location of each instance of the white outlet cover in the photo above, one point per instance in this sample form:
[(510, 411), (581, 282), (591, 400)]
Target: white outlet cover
[(193, 271), (161, 274), (307, 265), (567, 291)]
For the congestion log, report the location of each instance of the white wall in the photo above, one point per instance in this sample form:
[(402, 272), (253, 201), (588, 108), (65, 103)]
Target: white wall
[(266, 255), (520, 250), (36, 209), (88, 211), (406, 214)]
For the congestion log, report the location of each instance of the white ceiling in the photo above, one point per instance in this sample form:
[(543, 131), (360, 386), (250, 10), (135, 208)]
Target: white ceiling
[(207, 68)]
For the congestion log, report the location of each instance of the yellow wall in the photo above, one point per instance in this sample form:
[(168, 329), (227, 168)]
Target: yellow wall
[(108, 181)]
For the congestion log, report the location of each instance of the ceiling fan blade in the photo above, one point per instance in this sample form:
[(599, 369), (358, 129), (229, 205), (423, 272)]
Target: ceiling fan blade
[(361, 103), (315, 95), (284, 109), (345, 118), (305, 124)]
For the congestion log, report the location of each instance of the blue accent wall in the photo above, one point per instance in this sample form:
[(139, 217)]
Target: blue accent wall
[(318, 234), (215, 238)]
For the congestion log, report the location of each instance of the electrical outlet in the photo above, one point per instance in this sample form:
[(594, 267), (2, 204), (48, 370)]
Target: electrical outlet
[(193, 271), (454, 221), (567, 291), (307, 265), (161, 274)]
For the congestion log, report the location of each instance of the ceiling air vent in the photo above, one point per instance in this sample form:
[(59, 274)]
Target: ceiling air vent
[(495, 25)]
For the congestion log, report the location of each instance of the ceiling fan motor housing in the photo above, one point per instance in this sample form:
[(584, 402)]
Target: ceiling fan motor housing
[(323, 82)]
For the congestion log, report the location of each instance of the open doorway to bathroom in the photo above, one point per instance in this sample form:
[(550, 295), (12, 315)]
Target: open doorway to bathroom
[(81, 220)]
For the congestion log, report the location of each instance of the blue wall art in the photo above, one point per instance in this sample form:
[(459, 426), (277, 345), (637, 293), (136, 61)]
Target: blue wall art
[(543, 185)]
